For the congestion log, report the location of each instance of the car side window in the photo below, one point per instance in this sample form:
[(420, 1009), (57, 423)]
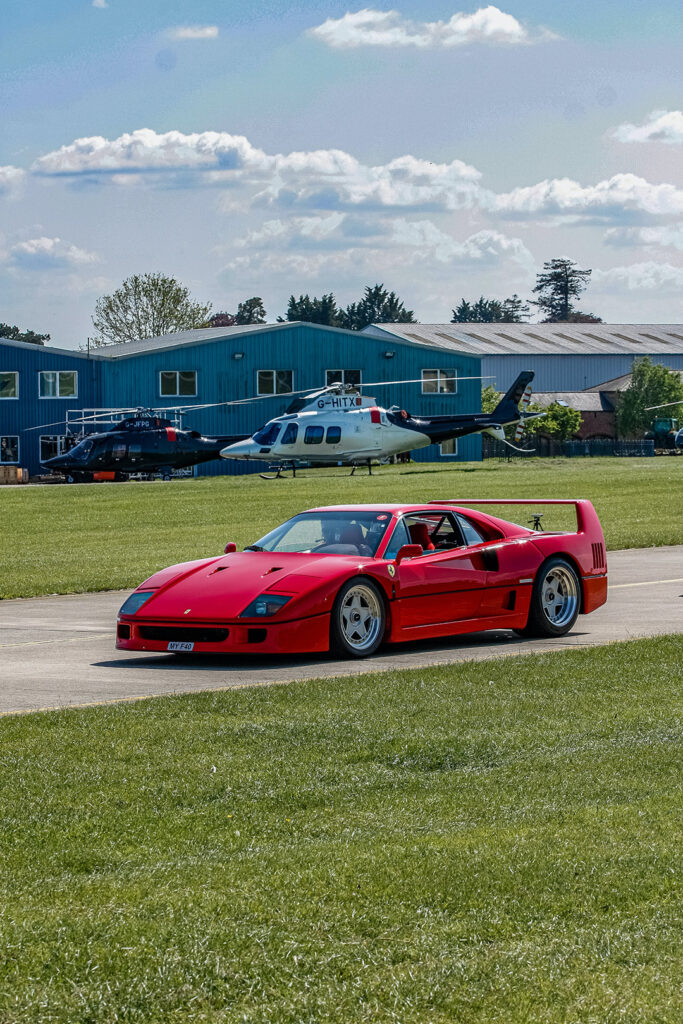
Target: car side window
[(469, 531), (398, 538)]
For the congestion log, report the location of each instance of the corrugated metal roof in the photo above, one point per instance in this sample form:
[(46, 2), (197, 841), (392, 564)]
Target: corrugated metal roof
[(584, 401), (32, 347), (541, 339)]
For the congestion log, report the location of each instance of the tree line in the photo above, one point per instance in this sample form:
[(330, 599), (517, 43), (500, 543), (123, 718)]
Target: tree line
[(153, 304)]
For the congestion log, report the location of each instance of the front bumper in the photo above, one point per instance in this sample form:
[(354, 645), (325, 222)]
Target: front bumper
[(300, 636)]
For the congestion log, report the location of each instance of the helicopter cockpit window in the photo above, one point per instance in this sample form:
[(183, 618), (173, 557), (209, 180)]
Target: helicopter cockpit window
[(82, 449), (313, 435), (333, 435), (290, 434), (267, 435), (328, 533), (119, 451)]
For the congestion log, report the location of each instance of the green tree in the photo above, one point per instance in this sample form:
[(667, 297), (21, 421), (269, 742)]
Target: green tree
[(560, 422), (14, 334), (489, 398), (146, 306), (651, 384), (314, 310), (491, 311), (251, 311), (378, 306), (557, 285)]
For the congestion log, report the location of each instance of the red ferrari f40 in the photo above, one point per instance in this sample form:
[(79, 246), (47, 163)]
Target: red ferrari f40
[(348, 578)]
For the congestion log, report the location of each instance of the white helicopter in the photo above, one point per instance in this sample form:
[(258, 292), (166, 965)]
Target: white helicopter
[(339, 425)]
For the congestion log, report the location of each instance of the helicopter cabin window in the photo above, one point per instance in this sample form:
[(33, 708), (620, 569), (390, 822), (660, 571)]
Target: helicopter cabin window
[(267, 435), (351, 377), (274, 382), (439, 382), (58, 384), (52, 445), (313, 435), (333, 435), (449, 448), (9, 384), (9, 448), (290, 434), (178, 383)]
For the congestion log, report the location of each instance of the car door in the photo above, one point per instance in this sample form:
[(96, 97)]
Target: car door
[(442, 585)]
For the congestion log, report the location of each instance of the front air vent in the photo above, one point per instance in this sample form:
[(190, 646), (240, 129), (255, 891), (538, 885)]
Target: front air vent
[(599, 560), (184, 634)]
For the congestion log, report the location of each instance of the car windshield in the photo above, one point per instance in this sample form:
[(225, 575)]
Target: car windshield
[(328, 533)]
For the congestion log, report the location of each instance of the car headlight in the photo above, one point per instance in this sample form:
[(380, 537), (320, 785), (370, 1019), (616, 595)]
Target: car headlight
[(266, 604), (135, 601)]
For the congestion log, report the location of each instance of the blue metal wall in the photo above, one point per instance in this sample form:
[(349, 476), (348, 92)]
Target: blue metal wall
[(564, 372), (132, 380), (19, 417)]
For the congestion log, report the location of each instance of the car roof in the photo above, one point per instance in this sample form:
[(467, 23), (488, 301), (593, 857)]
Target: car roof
[(379, 507)]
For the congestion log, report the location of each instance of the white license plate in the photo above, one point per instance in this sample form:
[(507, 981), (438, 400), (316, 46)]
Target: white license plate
[(178, 645)]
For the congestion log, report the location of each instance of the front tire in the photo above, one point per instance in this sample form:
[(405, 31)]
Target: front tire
[(555, 600), (358, 619)]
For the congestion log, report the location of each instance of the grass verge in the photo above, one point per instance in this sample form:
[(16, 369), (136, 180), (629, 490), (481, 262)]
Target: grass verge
[(109, 536), (487, 842)]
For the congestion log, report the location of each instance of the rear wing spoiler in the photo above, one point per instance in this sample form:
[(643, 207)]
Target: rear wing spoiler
[(586, 516)]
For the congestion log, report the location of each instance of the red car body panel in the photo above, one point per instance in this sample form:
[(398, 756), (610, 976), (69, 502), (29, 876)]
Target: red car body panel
[(444, 592)]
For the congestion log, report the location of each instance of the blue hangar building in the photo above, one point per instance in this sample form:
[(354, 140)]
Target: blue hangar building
[(42, 388)]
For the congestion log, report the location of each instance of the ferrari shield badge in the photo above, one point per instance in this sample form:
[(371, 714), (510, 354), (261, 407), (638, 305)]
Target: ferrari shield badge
[(392, 570)]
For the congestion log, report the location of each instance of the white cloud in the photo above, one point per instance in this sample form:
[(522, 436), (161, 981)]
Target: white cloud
[(666, 236), (662, 126), (370, 27), (49, 254), (145, 150), (620, 198), (10, 179), (193, 32), (647, 276), (101, 4)]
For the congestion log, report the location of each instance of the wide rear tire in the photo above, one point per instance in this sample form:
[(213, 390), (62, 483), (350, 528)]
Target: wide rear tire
[(358, 620), (555, 600)]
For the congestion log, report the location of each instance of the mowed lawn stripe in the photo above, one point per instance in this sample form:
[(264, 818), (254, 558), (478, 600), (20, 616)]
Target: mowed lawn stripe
[(84, 537), (494, 841)]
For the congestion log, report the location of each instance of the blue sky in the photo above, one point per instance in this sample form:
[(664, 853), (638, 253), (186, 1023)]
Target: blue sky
[(444, 148)]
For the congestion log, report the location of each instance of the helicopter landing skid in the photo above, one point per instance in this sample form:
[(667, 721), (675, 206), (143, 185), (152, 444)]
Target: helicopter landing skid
[(280, 468), (357, 464)]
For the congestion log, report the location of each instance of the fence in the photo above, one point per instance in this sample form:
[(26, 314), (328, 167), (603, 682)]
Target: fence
[(544, 447)]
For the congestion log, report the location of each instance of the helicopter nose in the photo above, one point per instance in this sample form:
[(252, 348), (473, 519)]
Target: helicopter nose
[(241, 450)]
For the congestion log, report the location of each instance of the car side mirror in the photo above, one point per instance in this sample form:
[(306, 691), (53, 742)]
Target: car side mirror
[(408, 551), (230, 547)]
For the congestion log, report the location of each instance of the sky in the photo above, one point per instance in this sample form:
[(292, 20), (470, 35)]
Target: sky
[(444, 149)]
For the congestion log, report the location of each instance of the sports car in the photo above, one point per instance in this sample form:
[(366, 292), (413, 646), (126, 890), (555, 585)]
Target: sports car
[(348, 578)]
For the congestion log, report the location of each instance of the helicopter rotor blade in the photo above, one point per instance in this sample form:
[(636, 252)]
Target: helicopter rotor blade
[(667, 405)]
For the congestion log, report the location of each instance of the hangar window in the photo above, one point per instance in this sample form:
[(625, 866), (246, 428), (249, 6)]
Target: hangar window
[(9, 384), (439, 382), (274, 382), (9, 448), (333, 435), (313, 435), (290, 434), (450, 447), (58, 384), (178, 383), (352, 377), (52, 445)]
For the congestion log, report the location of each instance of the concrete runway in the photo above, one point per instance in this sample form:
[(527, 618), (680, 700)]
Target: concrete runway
[(59, 651)]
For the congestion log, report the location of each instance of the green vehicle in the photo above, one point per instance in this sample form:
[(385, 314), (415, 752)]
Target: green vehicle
[(663, 432)]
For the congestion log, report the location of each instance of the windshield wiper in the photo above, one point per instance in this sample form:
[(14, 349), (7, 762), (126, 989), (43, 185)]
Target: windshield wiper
[(254, 547)]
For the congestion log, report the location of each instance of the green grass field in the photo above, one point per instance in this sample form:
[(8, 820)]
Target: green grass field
[(488, 842), (109, 536)]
